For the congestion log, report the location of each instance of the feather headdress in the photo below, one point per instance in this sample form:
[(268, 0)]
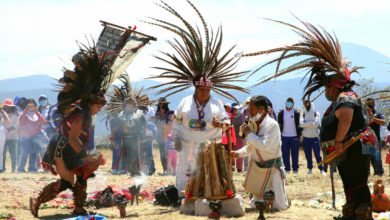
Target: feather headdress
[(198, 59), (125, 93), (321, 56), (87, 82), (98, 66)]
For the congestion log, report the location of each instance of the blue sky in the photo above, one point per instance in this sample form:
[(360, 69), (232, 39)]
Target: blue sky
[(38, 36)]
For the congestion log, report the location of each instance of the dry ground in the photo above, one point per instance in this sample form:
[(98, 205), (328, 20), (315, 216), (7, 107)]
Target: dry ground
[(310, 195)]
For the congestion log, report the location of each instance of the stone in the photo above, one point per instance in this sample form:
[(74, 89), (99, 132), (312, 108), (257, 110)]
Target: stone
[(187, 207), (230, 207)]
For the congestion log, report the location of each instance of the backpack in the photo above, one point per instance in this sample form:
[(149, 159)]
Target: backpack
[(167, 196)]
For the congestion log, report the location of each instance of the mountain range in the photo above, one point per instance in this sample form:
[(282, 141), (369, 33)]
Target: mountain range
[(277, 90)]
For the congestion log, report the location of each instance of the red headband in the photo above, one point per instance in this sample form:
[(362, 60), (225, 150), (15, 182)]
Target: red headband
[(339, 83), (203, 81)]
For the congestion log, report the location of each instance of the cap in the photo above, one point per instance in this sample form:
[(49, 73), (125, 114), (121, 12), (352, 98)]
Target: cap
[(9, 102)]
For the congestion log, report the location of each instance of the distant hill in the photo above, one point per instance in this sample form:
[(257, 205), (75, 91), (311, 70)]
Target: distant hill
[(26, 83), (373, 61), (277, 91)]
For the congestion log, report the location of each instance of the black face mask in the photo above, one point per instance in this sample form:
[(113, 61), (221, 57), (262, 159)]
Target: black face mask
[(371, 106), (307, 107)]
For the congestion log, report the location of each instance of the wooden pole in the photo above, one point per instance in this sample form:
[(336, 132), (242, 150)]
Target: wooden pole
[(104, 23), (333, 189), (335, 154), (229, 150), (207, 180), (215, 177)]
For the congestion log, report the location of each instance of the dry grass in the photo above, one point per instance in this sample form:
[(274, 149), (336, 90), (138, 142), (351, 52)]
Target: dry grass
[(310, 195)]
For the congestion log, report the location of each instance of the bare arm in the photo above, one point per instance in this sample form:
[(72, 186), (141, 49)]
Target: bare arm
[(75, 130), (379, 121), (41, 119)]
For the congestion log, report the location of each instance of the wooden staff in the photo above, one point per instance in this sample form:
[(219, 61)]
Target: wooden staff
[(334, 154), (333, 190), (216, 184), (207, 175), (229, 146)]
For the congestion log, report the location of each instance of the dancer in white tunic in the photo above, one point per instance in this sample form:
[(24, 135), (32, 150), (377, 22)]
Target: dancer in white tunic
[(191, 131), (197, 61), (264, 148)]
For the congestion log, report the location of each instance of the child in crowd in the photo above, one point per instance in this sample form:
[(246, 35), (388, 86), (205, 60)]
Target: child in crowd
[(169, 144)]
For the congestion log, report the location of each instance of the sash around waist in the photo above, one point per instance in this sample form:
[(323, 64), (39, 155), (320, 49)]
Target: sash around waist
[(277, 162)]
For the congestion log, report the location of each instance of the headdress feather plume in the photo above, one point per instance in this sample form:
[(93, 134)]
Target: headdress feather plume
[(196, 55), (321, 55)]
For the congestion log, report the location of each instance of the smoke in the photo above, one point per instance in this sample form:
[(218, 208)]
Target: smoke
[(140, 180)]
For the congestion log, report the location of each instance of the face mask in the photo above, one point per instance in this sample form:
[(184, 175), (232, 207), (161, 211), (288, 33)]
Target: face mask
[(289, 104), (43, 102)]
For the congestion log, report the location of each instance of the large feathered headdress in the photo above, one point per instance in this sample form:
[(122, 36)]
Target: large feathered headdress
[(198, 59), (87, 82), (98, 66), (321, 55), (125, 93)]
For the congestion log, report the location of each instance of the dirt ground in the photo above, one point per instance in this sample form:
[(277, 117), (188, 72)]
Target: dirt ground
[(310, 195)]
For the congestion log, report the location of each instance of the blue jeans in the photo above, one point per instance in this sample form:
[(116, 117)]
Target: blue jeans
[(10, 145), (246, 163), (150, 168), (376, 161), (290, 146), (42, 141), (311, 145), (30, 147)]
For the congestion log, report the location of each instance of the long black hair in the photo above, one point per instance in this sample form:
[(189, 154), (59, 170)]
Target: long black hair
[(165, 106), (31, 101)]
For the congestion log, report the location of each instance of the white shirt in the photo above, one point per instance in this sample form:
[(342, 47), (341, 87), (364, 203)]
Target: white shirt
[(268, 144), (310, 122), (187, 111), (14, 122), (151, 113), (267, 141), (289, 129)]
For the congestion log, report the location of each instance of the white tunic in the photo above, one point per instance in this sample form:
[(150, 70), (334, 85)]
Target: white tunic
[(268, 144), (191, 138)]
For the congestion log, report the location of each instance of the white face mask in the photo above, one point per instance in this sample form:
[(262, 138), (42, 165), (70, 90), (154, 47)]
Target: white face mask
[(256, 117), (43, 102)]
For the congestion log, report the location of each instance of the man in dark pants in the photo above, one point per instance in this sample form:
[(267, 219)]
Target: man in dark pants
[(130, 134), (310, 124), (288, 120), (377, 120), (159, 121)]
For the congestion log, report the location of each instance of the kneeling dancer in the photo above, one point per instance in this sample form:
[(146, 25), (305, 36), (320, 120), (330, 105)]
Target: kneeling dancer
[(263, 145)]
